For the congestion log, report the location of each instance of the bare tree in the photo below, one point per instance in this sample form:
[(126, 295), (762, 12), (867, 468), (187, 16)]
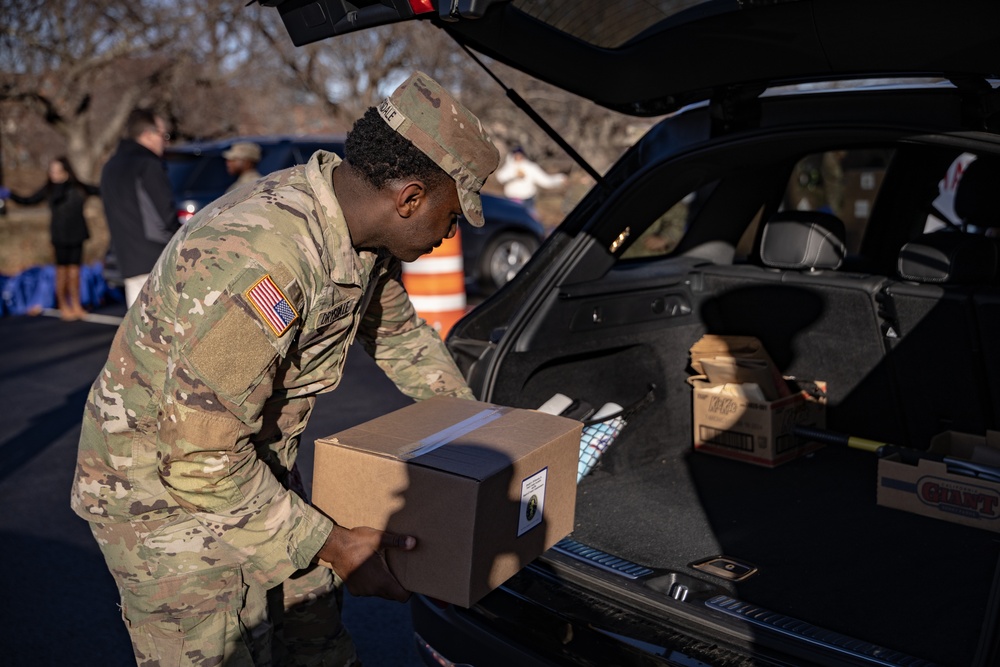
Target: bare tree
[(351, 72), (81, 66), (65, 59), (219, 68)]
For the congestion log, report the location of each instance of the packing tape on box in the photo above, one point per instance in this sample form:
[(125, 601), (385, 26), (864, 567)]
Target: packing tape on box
[(453, 432)]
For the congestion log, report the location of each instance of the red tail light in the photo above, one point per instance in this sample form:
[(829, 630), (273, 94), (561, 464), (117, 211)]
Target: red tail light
[(421, 6), (186, 212)]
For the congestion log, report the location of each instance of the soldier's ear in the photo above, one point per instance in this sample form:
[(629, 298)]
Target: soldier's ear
[(410, 197)]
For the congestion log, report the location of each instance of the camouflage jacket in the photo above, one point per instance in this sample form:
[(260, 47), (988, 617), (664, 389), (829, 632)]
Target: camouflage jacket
[(212, 375), (248, 176)]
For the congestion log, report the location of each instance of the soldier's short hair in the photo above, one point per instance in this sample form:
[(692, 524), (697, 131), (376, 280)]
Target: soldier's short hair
[(382, 155)]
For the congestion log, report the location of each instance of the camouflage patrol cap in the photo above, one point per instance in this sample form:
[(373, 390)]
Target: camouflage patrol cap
[(243, 150), (448, 133)]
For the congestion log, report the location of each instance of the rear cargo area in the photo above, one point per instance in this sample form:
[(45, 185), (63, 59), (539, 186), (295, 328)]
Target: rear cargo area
[(825, 552)]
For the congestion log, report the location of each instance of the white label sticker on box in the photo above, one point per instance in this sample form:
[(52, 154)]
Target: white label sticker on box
[(532, 501)]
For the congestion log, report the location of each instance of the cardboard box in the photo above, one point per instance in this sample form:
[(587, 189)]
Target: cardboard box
[(860, 187), (744, 409), (931, 486), (485, 489)]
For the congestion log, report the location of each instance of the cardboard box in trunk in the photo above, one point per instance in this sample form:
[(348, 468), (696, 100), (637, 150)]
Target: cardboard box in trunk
[(485, 489), (932, 486), (744, 409)]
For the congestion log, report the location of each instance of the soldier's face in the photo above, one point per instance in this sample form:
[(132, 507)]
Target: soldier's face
[(435, 219)]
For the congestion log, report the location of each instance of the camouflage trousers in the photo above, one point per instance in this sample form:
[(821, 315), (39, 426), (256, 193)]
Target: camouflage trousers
[(183, 605)]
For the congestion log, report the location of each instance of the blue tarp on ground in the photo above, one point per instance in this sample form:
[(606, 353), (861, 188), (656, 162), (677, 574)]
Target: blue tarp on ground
[(37, 287)]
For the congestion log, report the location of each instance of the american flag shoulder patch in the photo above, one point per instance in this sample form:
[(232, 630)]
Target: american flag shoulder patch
[(272, 305)]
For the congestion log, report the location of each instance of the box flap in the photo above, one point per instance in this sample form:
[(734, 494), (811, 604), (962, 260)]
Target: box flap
[(738, 359), (454, 432), (736, 371), (743, 347), (494, 442), (399, 433), (480, 439)]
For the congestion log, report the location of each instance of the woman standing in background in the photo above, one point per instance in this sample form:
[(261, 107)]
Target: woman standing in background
[(65, 195)]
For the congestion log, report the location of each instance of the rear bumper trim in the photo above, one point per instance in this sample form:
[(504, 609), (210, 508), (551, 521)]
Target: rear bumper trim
[(792, 627)]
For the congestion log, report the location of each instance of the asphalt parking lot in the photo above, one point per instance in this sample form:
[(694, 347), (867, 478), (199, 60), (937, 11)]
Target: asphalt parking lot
[(59, 601)]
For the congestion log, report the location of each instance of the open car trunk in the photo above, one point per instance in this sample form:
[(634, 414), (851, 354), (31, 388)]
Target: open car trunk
[(902, 362), (825, 552)]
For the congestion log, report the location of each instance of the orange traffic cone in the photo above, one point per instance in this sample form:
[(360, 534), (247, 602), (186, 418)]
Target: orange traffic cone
[(436, 285)]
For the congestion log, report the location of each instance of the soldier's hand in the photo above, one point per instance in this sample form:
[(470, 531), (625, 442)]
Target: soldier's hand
[(356, 555)]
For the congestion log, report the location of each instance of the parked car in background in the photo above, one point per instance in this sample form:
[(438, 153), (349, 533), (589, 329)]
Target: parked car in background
[(806, 154), (492, 254)]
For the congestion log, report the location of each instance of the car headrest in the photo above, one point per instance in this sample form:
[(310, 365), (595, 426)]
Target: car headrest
[(949, 257), (803, 240), (975, 199)]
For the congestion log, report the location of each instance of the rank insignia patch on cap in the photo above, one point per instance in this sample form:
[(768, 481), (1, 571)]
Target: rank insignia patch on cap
[(271, 303)]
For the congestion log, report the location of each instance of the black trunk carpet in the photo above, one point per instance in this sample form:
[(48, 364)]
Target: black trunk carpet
[(826, 553)]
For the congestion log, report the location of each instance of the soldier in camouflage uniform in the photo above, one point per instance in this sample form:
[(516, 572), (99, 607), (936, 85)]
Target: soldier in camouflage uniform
[(241, 161), (186, 460)]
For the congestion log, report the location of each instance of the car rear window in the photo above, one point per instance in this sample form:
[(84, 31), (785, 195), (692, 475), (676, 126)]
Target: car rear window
[(842, 182), (661, 237)]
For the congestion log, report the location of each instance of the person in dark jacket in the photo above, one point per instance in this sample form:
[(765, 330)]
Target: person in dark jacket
[(137, 199), (65, 195)]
